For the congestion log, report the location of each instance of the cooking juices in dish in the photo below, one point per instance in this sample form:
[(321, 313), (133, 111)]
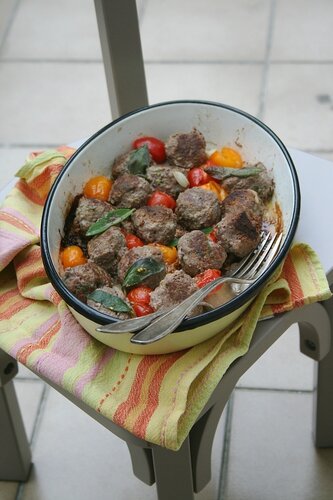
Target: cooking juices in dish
[(170, 218)]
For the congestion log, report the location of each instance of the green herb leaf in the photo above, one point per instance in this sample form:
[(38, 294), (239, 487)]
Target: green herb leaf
[(110, 301), (173, 243), (222, 173), (142, 269), (110, 219), (27, 170), (207, 230), (139, 161)]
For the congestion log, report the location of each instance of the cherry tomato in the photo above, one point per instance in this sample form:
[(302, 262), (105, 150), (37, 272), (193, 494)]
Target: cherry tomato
[(133, 241), (155, 147), (98, 187), (212, 235), (197, 176), (206, 277), (170, 254), (72, 256), (227, 157), (140, 295), (160, 198), (216, 189), (142, 309)]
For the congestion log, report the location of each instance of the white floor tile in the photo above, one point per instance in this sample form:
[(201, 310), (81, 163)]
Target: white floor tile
[(272, 455), (299, 105), (51, 103), (282, 366), (210, 30), (54, 30), (303, 30), (236, 85), (76, 458)]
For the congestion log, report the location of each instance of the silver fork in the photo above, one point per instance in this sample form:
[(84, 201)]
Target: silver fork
[(243, 275)]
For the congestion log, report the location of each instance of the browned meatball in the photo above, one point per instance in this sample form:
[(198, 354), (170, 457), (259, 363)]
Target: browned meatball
[(119, 166), (162, 178), (186, 150), (197, 253), (155, 224), (197, 208), (117, 291), (134, 254), (240, 227), (84, 279), (121, 163), (107, 248), (89, 211), (130, 191), (262, 183), (172, 290)]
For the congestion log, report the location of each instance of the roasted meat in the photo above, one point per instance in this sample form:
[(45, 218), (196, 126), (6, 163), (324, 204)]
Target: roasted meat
[(130, 191), (197, 253), (107, 248), (155, 224), (84, 279), (186, 150), (134, 254), (262, 183), (197, 208)]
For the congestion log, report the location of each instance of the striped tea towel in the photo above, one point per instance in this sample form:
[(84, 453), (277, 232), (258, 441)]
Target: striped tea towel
[(156, 397)]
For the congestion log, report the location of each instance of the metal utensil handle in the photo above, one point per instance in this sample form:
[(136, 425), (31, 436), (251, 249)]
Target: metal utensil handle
[(168, 321)]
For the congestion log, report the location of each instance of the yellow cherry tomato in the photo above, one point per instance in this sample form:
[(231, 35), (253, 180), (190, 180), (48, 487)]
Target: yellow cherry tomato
[(227, 157), (98, 187), (72, 256), (170, 254), (216, 189)]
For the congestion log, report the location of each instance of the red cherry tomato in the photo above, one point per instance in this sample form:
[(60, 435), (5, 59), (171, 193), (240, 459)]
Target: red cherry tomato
[(160, 198), (212, 235), (133, 241), (155, 147), (206, 277), (142, 309), (139, 295), (197, 176)]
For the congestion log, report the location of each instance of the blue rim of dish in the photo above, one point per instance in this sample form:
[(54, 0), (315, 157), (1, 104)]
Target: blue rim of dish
[(204, 318)]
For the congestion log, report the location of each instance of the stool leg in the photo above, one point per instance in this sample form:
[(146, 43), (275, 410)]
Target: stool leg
[(173, 472), (15, 456), (323, 400), (142, 463)]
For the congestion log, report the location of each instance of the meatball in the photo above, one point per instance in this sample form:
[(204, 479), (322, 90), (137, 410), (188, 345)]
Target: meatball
[(117, 291), (162, 178), (106, 249), (197, 208), (84, 279), (155, 224), (186, 150), (134, 254), (197, 253), (240, 227), (130, 191), (89, 211), (262, 183), (172, 290), (119, 166)]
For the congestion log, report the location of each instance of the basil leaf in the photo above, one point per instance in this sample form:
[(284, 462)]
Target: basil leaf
[(173, 243), (207, 230), (221, 173), (110, 301), (110, 219), (139, 161), (142, 269)]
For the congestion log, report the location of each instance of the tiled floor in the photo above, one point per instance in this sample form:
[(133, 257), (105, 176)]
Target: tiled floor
[(272, 58)]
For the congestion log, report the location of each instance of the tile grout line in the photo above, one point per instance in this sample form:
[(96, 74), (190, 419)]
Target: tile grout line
[(275, 389), (206, 62), (226, 448), (266, 67), (38, 419), (9, 24)]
